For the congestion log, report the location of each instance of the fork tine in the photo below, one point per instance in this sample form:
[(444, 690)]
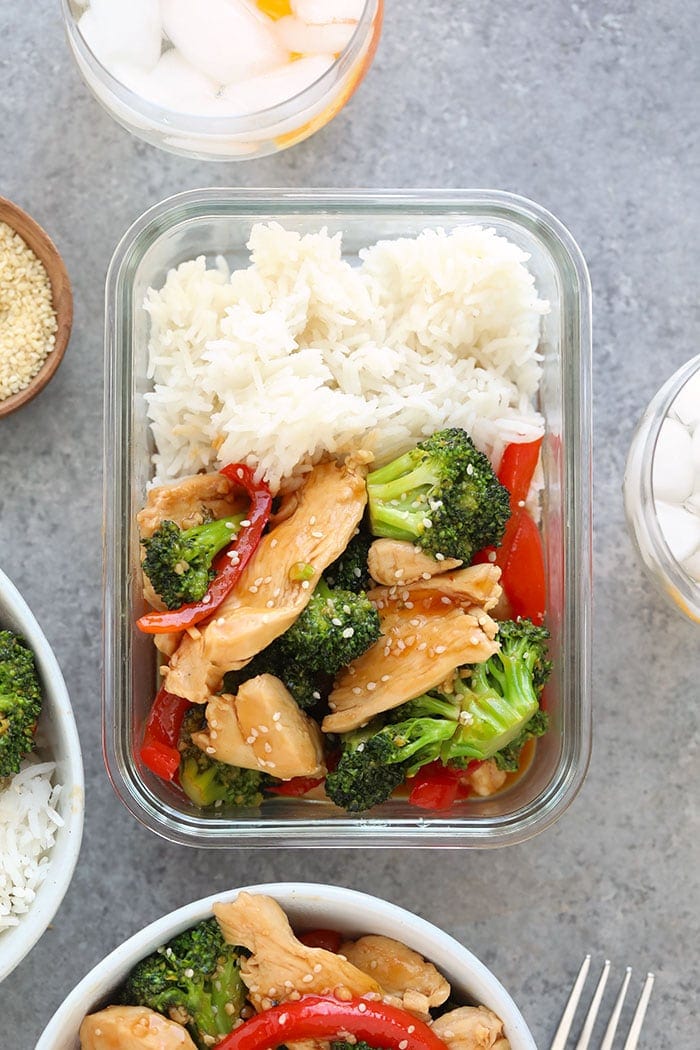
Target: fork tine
[(617, 1010), (585, 1037), (562, 1033), (638, 1019)]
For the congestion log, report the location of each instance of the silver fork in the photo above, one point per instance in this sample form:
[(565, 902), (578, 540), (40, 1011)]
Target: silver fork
[(567, 1020)]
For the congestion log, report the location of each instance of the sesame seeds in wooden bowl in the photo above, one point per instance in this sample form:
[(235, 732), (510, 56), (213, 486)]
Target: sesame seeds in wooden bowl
[(36, 308)]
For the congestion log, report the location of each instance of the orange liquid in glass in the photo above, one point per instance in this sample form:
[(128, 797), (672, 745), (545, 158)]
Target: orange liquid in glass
[(275, 8)]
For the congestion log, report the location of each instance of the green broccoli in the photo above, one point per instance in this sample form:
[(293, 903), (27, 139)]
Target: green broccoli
[(205, 780), (194, 980), (442, 495), (304, 685), (501, 695), (349, 572), (334, 629), (487, 712), (179, 562), (508, 758), (20, 702), (362, 778)]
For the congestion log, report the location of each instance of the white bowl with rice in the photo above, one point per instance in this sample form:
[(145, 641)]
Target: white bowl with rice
[(41, 808)]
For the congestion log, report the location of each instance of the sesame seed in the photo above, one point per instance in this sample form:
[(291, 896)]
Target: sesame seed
[(206, 599), (308, 978), (403, 1045), (348, 632), (425, 576), (189, 972), (268, 579), (422, 647), (317, 535), (398, 573), (245, 522), (492, 556), (427, 523), (316, 695), (411, 1029), (312, 519), (356, 690), (282, 1018), (362, 1007), (440, 649), (305, 584), (336, 622), (276, 717), (220, 621), (357, 572), (273, 542), (269, 604), (317, 968), (253, 589), (439, 557), (409, 605), (385, 678), (211, 750), (371, 686), (445, 600), (258, 581), (264, 729), (277, 591), (268, 751)]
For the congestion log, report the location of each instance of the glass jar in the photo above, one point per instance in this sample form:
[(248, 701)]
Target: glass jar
[(227, 137), (218, 222), (641, 502)]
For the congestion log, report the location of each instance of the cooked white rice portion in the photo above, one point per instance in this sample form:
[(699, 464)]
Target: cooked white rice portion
[(302, 354), (28, 823)]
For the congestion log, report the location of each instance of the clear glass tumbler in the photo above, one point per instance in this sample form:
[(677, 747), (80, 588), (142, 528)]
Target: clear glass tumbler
[(231, 137)]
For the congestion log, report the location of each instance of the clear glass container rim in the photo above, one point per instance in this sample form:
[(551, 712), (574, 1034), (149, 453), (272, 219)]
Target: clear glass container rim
[(220, 125), (520, 824)]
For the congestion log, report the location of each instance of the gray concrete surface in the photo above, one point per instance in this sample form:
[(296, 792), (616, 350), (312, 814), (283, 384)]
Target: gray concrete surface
[(589, 108)]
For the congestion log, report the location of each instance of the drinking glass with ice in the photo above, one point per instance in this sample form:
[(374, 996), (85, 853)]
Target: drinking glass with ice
[(223, 78)]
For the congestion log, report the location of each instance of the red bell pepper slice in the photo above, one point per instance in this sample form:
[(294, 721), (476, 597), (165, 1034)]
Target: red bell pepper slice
[(517, 468), (322, 1017), (436, 786), (295, 787), (522, 566), (329, 940), (228, 570), (159, 751)]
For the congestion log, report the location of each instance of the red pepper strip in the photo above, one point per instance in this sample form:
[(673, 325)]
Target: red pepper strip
[(227, 573), (322, 1017), (329, 940), (159, 751), (436, 786), (517, 468), (523, 576), (295, 787)]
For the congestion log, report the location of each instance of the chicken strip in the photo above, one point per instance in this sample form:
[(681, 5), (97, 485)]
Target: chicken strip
[(418, 650), (268, 598), (189, 502), (263, 727), (398, 562), (471, 1028), (280, 966), (132, 1028), (403, 974), (486, 779), (428, 629)]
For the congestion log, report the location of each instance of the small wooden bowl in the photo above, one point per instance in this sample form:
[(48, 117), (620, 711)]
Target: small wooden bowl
[(44, 248)]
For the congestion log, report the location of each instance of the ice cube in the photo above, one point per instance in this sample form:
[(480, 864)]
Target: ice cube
[(687, 404), (277, 86), (673, 463), (126, 30), (320, 12), (224, 39), (681, 529), (692, 566), (330, 39), (177, 85)]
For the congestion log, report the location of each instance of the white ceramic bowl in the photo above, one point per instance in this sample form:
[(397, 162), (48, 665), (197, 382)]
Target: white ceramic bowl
[(308, 905), (58, 742)]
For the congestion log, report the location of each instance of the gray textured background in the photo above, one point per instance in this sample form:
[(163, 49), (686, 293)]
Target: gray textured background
[(589, 108)]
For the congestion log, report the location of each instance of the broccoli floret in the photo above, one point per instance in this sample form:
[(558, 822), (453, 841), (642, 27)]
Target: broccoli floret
[(206, 780), (490, 711), (303, 684), (349, 572), (20, 702), (501, 695), (179, 562), (508, 759), (442, 495), (376, 761), (334, 629), (194, 980)]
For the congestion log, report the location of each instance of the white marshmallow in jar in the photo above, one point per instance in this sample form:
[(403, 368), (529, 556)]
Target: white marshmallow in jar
[(223, 79), (662, 489)]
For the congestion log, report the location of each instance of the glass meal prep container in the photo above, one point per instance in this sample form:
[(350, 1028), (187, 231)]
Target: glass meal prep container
[(218, 222)]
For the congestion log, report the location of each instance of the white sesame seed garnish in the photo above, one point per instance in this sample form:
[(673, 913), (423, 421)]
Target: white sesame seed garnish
[(403, 1045), (357, 572), (440, 649), (273, 542), (264, 729), (439, 557), (276, 717), (308, 978), (268, 748), (427, 523), (385, 678), (336, 622), (445, 600), (371, 686), (356, 690), (411, 1029), (269, 604), (258, 581), (253, 589), (398, 573), (425, 576), (317, 968), (245, 522), (282, 1018), (305, 584), (189, 972), (348, 632), (492, 556), (470, 469), (362, 1007), (317, 535), (211, 750), (316, 695), (206, 599)]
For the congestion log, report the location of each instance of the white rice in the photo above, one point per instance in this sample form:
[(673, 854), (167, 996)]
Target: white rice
[(28, 824), (302, 354)]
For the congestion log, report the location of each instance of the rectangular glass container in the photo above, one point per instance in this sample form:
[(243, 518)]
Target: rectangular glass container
[(218, 222)]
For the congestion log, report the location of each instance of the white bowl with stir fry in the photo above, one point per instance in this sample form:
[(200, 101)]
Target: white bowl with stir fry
[(320, 963)]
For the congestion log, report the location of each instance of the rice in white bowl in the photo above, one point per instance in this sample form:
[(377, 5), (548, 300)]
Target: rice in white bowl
[(28, 824), (302, 354)]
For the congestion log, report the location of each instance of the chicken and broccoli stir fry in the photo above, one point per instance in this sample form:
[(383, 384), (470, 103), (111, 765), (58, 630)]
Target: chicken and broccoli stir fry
[(351, 636), (244, 980)]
